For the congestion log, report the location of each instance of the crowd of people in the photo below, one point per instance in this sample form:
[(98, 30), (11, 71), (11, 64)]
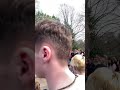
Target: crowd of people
[(103, 73), (64, 69), (93, 63)]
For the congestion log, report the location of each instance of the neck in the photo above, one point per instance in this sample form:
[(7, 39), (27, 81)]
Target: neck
[(59, 77)]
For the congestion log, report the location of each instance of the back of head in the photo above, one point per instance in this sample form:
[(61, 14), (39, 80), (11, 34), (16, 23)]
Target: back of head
[(103, 79), (78, 62), (55, 34), (17, 24)]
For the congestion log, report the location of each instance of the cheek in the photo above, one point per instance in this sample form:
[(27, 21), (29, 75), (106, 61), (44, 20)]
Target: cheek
[(38, 64), (38, 60)]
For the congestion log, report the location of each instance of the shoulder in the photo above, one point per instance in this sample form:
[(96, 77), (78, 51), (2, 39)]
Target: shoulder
[(80, 79), (79, 83)]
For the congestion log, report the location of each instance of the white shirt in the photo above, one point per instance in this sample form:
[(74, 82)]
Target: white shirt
[(79, 83)]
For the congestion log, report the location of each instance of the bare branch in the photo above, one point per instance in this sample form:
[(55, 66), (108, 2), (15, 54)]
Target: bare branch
[(71, 19)]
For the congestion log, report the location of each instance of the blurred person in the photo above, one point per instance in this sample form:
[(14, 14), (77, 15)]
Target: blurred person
[(94, 63), (103, 79), (52, 50), (71, 55), (78, 64), (109, 62), (80, 51), (117, 65), (99, 61), (90, 66), (37, 84), (17, 45), (112, 65), (76, 52)]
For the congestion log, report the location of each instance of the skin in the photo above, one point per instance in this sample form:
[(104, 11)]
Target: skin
[(23, 67), (48, 66)]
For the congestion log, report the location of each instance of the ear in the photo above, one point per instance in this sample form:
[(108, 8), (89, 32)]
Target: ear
[(26, 64), (46, 53)]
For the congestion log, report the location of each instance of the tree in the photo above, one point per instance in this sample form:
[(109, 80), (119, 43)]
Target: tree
[(73, 21), (102, 25), (81, 44), (40, 16)]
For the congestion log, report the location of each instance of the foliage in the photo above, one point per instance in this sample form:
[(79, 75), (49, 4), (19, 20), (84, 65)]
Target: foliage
[(40, 16), (80, 44)]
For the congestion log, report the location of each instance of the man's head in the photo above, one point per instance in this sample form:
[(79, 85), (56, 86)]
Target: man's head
[(17, 46), (53, 44)]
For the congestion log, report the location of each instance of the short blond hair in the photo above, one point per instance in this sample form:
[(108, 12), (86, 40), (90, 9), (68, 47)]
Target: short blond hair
[(78, 62)]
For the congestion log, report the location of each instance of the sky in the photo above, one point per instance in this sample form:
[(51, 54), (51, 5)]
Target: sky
[(51, 7)]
